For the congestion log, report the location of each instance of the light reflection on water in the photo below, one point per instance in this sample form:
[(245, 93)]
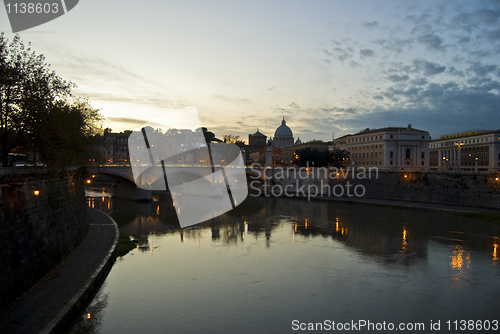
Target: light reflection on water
[(271, 261)]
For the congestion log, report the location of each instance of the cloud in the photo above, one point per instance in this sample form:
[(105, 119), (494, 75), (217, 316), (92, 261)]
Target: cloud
[(134, 122), (363, 53), (340, 54), (394, 44), (472, 20), (428, 68), (453, 71), (269, 89), (371, 25), (398, 78), (464, 40), (432, 42), (479, 69), (231, 99), (494, 35)]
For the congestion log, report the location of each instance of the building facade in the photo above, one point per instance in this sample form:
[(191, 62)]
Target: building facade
[(388, 148), (260, 155), (468, 151)]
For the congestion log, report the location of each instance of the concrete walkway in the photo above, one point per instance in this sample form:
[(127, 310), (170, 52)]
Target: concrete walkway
[(52, 302), (411, 205)]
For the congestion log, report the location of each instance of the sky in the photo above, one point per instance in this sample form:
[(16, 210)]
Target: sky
[(329, 68)]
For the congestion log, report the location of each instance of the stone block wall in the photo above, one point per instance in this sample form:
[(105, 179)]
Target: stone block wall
[(42, 219)]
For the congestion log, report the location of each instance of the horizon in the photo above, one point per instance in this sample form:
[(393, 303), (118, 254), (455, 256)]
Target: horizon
[(325, 66)]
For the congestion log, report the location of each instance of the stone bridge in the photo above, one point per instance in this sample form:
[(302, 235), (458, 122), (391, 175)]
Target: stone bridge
[(154, 180)]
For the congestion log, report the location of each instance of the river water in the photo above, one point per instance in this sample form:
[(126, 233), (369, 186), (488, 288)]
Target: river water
[(273, 265)]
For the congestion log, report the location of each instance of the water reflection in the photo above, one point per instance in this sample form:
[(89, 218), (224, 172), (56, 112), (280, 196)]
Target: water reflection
[(90, 321), (395, 235), (273, 260)]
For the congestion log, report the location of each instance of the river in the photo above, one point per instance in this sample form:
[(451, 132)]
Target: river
[(273, 265)]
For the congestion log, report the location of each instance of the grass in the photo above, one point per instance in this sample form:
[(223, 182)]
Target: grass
[(126, 243)]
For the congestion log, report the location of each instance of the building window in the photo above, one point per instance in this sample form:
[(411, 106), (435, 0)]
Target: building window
[(375, 154), (380, 162), (390, 162), (423, 137), (422, 163), (392, 136), (407, 153), (423, 155), (407, 163), (391, 155)]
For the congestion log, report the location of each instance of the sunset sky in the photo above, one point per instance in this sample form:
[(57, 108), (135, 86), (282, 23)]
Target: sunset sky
[(326, 66)]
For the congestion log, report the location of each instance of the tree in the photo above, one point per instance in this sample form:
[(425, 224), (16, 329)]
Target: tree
[(339, 158), (312, 157), (66, 132), (233, 139), (37, 110), (28, 90)]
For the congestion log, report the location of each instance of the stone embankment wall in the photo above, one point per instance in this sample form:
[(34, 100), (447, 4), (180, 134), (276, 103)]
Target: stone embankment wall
[(450, 188), (42, 219)]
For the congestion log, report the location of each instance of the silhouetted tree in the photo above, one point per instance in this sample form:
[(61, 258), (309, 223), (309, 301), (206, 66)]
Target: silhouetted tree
[(312, 157), (339, 158)]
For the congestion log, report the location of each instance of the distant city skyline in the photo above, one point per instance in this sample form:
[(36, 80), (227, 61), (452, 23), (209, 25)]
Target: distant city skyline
[(326, 66)]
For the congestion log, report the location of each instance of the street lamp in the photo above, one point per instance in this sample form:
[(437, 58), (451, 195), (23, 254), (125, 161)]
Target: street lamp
[(459, 144)]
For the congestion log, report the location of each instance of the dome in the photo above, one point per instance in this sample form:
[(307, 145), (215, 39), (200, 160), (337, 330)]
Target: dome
[(298, 141), (283, 130)]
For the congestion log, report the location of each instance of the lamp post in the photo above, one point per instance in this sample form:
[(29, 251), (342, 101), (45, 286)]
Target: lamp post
[(459, 144)]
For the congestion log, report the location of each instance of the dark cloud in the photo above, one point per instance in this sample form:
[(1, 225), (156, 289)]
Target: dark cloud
[(464, 40), (378, 97), (418, 81), (340, 54), (353, 64), (479, 69), (494, 35), (363, 53), (133, 122), (432, 42), (428, 68), (398, 78), (370, 25), (472, 20), (273, 87), (453, 71)]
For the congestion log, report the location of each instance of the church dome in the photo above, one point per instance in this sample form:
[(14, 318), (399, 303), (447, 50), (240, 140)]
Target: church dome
[(283, 130)]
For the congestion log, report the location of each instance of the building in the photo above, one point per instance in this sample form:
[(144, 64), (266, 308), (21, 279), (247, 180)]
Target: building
[(110, 148), (388, 148), (468, 151), (283, 136), (256, 141), (260, 155)]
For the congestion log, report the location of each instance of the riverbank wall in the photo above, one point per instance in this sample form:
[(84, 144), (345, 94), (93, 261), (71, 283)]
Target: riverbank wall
[(481, 190), (43, 218)]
